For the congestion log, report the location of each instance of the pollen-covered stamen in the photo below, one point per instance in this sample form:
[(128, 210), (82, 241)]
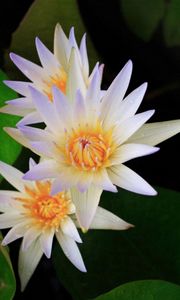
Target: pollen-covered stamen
[(89, 149), (59, 80), (46, 211)]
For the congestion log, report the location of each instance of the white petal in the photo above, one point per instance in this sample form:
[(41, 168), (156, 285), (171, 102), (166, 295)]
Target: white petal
[(104, 219), (13, 110), (23, 102), (32, 71), (71, 250), (10, 219), (31, 118), (68, 227), (62, 107), (45, 169), (86, 204), (21, 87), (127, 179), (84, 56), (45, 108), (79, 108), (12, 175), (66, 178), (17, 135), (131, 103), (75, 78), (28, 261), (129, 151), (29, 237), (124, 130), (73, 43), (43, 148), (155, 133), (46, 242), (32, 163), (116, 91), (62, 47), (35, 134), (94, 91), (102, 180), (6, 198), (48, 60), (15, 233)]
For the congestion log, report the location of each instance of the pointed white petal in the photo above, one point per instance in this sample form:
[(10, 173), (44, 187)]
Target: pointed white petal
[(73, 43), (68, 227), (21, 103), (62, 107), (62, 47), (31, 118), (21, 87), (28, 261), (79, 108), (13, 110), (12, 175), (104, 219), (32, 71), (116, 91), (35, 134), (94, 92), (124, 130), (65, 179), (71, 250), (46, 240), (15, 233), (32, 163), (155, 133), (129, 151), (45, 169), (131, 103), (102, 180), (127, 179), (75, 78), (84, 56), (6, 198), (31, 234), (43, 148), (45, 108), (48, 60), (10, 219), (86, 204), (17, 135)]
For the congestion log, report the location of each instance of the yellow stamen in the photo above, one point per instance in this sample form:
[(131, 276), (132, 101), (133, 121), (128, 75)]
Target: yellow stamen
[(59, 80), (89, 148), (45, 210)]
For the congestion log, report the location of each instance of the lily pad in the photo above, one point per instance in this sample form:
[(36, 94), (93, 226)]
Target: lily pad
[(151, 250), (7, 278), (144, 290), (9, 149), (40, 21)]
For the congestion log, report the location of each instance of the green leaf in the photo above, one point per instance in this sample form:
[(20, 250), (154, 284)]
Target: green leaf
[(9, 149), (7, 278), (40, 21), (144, 290), (172, 23), (143, 16), (151, 250)]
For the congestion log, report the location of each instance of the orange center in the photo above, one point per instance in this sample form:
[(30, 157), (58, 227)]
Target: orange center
[(89, 149), (47, 211), (59, 80)]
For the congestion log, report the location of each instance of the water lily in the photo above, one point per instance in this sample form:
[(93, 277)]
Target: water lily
[(37, 216), (67, 68), (87, 142)]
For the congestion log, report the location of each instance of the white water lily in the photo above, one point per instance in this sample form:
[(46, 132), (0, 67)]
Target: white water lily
[(37, 217), (67, 68), (87, 142)]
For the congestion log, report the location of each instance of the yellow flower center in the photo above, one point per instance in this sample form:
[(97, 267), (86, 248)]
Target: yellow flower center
[(58, 80), (89, 148), (45, 210)]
